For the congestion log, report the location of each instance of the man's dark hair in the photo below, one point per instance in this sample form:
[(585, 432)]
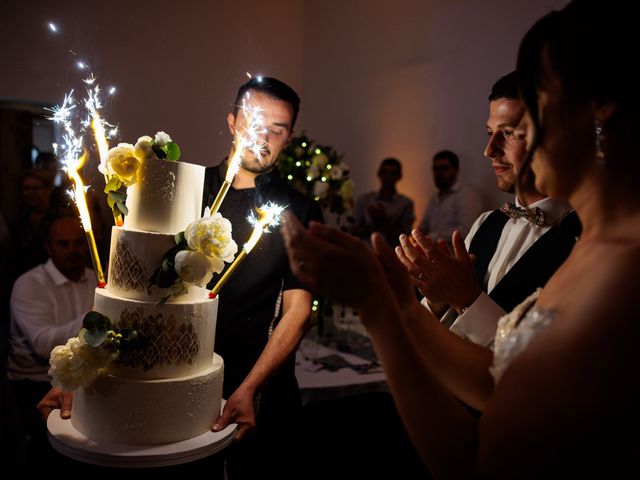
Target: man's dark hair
[(392, 161), (505, 87), (272, 87), (53, 216), (449, 155)]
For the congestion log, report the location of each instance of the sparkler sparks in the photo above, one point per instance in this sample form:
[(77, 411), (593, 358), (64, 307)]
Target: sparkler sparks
[(81, 202), (268, 216), (250, 138)]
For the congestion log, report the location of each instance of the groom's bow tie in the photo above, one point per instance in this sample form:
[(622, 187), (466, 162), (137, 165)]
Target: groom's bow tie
[(534, 215)]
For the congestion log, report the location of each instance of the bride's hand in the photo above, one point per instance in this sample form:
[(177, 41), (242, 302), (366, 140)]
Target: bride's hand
[(333, 263), (397, 275)]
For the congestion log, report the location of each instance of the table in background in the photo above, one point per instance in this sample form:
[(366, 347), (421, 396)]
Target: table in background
[(337, 364)]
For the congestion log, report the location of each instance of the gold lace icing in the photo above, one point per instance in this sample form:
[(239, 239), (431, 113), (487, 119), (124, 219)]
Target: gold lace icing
[(162, 177), (127, 271), (169, 343)]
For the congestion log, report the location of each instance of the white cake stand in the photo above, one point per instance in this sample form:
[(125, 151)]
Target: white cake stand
[(64, 437)]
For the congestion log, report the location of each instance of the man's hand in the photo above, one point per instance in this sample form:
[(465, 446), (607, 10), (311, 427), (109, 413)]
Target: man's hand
[(440, 276), (238, 409), (56, 398)]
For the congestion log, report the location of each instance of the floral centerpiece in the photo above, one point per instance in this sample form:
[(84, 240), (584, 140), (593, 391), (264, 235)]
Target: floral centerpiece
[(201, 250), (319, 172), (121, 166), (77, 363)]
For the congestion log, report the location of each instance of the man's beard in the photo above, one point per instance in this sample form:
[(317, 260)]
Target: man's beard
[(256, 166), (505, 185)]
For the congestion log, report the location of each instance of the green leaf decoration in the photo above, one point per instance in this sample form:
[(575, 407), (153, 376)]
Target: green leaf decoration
[(96, 321), (95, 338), (166, 266), (123, 208), (173, 151), (118, 196), (113, 184), (180, 239), (160, 153)]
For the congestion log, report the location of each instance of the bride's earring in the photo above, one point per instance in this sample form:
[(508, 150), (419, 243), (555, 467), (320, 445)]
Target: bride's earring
[(599, 141)]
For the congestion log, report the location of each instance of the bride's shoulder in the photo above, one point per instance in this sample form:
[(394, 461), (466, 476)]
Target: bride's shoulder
[(600, 278)]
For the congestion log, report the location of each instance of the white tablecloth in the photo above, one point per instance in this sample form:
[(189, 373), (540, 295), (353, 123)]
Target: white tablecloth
[(324, 373)]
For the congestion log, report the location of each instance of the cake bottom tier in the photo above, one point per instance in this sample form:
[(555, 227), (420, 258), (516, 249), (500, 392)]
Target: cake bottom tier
[(149, 412)]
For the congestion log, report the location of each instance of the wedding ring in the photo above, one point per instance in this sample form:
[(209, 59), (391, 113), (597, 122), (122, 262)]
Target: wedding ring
[(420, 276)]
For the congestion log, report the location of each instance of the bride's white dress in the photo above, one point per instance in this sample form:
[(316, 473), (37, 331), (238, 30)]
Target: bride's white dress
[(515, 331)]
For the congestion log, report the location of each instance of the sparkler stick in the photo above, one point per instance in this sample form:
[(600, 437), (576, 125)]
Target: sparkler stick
[(269, 216), (85, 218), (247, 140), (101, 139)]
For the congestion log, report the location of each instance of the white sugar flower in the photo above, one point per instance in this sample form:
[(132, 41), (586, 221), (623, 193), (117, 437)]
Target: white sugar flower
[(122, 162), (196, 268), (143, 149), (76, 364), (212, 236), (162, 139)]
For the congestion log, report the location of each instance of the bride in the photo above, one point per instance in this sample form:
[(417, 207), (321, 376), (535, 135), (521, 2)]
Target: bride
[(560, 393)]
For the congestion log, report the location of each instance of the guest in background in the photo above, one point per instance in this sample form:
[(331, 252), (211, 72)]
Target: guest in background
[(514, 254), (385, 210), (263, 310), (48, 304), (563, 400), (454, 205), (28, 232)]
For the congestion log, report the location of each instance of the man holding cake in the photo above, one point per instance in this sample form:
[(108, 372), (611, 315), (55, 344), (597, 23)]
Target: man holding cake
[(263, 310)]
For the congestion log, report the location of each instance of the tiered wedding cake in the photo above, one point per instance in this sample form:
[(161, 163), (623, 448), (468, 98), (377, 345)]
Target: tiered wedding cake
[(171, 389)]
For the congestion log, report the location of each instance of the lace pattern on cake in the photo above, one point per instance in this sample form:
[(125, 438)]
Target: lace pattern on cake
[(164, 178), (127, 271), (515, 331), (168, 342)]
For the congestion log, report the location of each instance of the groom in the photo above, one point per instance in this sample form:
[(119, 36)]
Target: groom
[(514, 253)]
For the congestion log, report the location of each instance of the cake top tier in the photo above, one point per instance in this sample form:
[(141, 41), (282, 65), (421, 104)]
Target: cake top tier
[(166, 197), (150, 188)]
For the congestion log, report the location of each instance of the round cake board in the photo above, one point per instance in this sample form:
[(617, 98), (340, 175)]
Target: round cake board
[(64, 438)]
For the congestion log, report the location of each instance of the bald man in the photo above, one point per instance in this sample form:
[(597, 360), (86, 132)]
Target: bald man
[(48, 304)]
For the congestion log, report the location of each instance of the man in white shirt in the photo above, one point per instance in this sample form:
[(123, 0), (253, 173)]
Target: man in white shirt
[(516, 250), (48, 304), (454, 205), (386, 210)]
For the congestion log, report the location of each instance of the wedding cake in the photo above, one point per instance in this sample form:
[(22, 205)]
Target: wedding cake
[(170, 389)]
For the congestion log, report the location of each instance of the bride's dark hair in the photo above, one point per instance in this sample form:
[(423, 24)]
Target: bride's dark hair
[(592, 47)]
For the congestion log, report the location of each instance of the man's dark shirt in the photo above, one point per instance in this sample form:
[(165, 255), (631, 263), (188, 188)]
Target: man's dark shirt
[(248, 298)]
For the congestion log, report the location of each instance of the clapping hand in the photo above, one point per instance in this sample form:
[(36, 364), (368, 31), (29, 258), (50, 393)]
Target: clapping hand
[(440, 276)]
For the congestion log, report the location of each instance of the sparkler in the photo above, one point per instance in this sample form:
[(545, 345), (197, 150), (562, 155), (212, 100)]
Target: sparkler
[(269, 216), (72, 169), (249, 139)]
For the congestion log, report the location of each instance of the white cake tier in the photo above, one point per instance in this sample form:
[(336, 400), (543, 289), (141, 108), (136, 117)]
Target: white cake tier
[(180, 336), (166, 198), (133, 258), (149, 412)]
